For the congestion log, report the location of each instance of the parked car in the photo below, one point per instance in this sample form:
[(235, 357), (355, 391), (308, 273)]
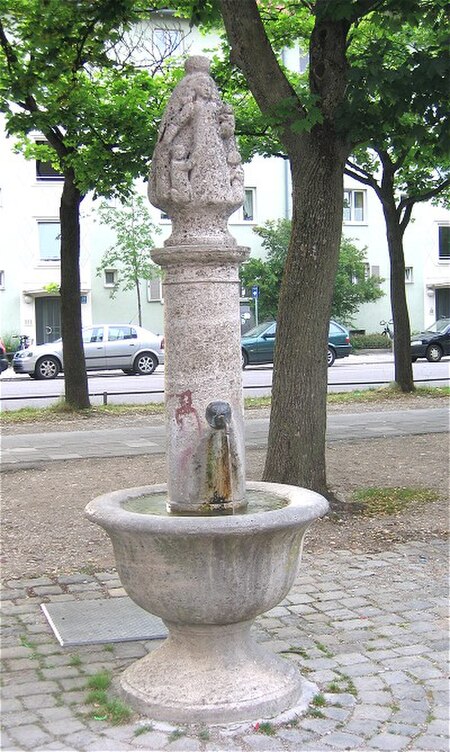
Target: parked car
[(433, 343), (106, 347), (3, 359), (258, 344)]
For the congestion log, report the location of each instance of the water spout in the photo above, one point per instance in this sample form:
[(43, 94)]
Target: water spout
[(218, 414), (219, 466)]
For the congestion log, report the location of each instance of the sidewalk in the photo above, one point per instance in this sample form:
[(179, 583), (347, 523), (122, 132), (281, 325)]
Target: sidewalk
[(368, 630), (20, 448)]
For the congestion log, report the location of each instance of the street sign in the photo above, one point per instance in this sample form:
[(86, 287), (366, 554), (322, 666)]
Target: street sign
[(255, 291)]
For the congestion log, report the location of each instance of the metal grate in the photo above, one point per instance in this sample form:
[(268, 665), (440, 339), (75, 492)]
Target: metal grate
[(102, 621)]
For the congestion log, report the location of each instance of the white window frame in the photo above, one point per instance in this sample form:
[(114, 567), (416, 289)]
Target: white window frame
[(112, 284), (238, 217), (351, 209), (52, 178), (52, 259), (154, 293), (442, 259), (167, 40)]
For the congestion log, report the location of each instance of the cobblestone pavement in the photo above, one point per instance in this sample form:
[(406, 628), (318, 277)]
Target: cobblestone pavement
[(369, 630)]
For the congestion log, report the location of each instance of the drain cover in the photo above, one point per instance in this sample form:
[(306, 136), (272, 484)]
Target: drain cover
[(105, 620)]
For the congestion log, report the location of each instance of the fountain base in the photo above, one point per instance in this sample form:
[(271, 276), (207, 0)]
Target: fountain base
[(208, 578), (218, 674)]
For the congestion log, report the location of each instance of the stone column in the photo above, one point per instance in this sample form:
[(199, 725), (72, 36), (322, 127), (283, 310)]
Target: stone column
[(197, 179)]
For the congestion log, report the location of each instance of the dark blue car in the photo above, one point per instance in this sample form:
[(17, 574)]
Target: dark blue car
[(433, 343), (258, 344)]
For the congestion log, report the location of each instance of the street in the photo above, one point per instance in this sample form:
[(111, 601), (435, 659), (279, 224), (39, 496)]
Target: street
[(355, 372)]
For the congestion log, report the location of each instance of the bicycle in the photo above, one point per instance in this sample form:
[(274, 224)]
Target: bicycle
[(387, 331), (24, 341)]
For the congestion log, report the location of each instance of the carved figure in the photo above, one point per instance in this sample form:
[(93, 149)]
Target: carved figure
[(196, 162)]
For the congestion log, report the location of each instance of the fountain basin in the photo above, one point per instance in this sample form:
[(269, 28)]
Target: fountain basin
[(208, 578)]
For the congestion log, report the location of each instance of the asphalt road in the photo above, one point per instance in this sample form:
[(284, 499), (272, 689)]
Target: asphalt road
[(20, 449), (362, 370)]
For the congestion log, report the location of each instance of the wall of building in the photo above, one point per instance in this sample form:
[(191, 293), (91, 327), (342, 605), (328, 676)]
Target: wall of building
[(24, 200)]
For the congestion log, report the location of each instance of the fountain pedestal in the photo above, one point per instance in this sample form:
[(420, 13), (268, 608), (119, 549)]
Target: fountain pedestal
[(208, 577)]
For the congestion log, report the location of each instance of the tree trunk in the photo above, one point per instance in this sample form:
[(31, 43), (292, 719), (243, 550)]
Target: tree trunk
[(296, 447), (75, 378), (402, 331), (139, 304)]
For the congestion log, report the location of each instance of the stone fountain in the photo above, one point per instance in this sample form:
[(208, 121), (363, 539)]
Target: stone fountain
[(208, 552)]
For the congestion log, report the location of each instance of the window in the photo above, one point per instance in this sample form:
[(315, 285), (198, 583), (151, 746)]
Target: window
[(248, 210), (354, 206), (44, 170), (303, 61), (166, 40), (93, 335), (121, 332), (154, 290), (444, 243), (110, 278), (409, 279), (49, 241), (2, 280)]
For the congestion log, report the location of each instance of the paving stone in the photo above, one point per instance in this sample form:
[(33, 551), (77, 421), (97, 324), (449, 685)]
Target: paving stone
[(55, 713), (372, 712), (375, 697), (30, 736), (387, 742), (64, 726), (80, 740), (149, 740), (343, 740), (47, 590), (438, 728), (31, 688), (11, 720), (427, 743), (256, 741), (35, 702)]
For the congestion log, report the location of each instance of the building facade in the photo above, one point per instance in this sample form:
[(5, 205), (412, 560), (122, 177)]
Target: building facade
[(29, 225)]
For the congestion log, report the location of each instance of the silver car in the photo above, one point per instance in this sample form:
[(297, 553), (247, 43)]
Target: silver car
[(106, 347)]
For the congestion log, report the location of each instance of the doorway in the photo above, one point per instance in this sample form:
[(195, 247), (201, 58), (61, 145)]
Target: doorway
[(48, 319), (442, 302)]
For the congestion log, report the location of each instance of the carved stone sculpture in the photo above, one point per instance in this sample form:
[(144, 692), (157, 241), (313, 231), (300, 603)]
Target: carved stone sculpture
[(196, 175)]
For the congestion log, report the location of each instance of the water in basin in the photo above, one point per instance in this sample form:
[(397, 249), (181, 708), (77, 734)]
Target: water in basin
[(257, 501)]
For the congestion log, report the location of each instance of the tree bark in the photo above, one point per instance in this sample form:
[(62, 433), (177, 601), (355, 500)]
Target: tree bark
[(403, 372), (75, 377), (296, 447)]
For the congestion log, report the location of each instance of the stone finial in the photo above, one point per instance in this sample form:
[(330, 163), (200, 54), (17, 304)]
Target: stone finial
[(196, 175)]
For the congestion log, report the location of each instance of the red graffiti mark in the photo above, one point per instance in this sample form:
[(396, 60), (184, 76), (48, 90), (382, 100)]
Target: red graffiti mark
[(186, 408)]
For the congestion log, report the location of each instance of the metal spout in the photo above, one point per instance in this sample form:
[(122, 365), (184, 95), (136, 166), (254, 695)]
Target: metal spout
[(218, 414)]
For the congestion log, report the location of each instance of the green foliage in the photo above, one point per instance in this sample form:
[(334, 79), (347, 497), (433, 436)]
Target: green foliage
[(129, 255), (352, 287), (375, 341), (64, 71), (374, 502)]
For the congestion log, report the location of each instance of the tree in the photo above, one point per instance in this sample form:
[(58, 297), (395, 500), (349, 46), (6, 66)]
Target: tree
[(64, 72), (317, 151), (407, 131), (130, 253), (316, 120), (352, 286)]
